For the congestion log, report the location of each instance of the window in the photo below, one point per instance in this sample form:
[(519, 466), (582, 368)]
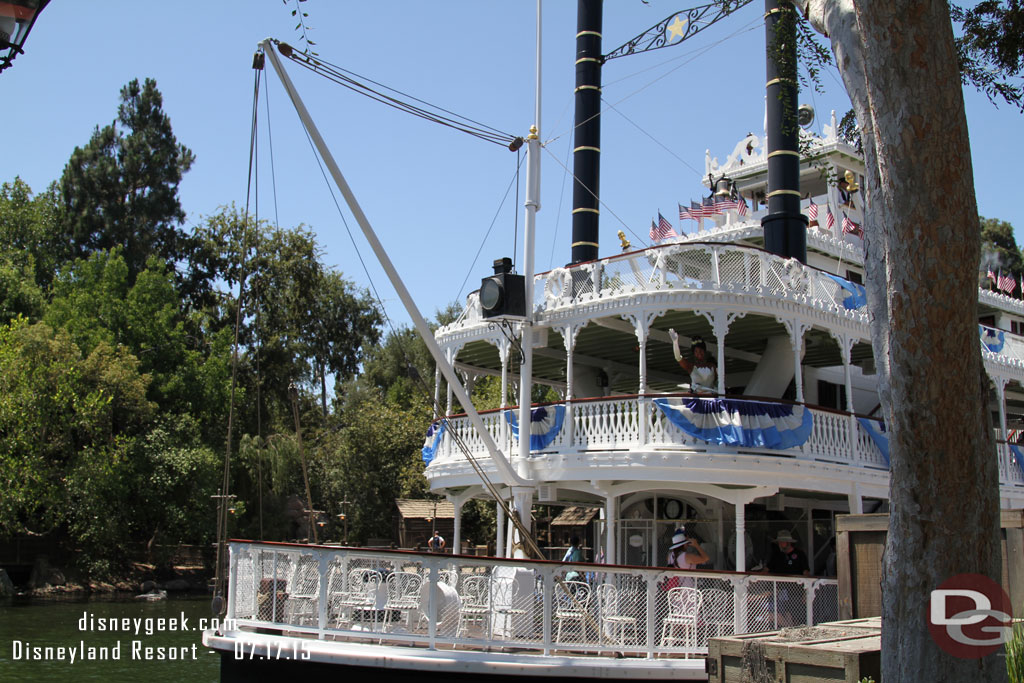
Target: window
[(831, 395), (854, 276)]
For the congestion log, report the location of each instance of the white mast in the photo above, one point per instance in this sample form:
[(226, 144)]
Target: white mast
[(523, 496), (508, 474)]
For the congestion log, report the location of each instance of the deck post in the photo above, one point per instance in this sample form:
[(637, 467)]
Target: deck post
[(321, 615)]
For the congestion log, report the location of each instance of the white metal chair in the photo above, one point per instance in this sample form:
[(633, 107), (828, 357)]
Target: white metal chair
[(450, 577), (507, 606), (572, 603), (301, 607), (717, 610), (683, 609), (613, 622), (357, 597), (474, 604), (403, 596)]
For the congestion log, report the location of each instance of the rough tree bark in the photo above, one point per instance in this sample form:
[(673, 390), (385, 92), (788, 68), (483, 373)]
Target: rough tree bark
[(899, 65)]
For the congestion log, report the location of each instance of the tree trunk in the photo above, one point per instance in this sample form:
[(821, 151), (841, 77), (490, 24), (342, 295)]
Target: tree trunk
[(899, 65)]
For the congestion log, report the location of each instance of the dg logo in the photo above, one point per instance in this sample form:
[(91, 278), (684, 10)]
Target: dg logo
[(970, 616)]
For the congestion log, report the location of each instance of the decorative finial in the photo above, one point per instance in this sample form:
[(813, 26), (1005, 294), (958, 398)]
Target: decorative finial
[(533, 133), (625, 242)]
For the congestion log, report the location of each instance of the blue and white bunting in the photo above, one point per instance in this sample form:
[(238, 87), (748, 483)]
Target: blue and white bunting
[(433, 440), (737, 422), (876, 430), (993, 339), (545, 423), (1018, 456), (858, 295)]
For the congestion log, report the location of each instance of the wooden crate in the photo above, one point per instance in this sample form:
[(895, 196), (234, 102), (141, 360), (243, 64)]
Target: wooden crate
[(842, 651), (860, 540)]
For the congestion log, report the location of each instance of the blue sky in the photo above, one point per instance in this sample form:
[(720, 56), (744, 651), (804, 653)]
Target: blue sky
[(432, 194)]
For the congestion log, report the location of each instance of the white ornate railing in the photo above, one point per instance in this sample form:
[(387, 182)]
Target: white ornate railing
[(616, 424), (475, 603), (691, 266), (596, 425)]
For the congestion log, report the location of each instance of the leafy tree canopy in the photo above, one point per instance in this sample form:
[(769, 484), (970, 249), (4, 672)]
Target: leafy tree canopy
[(121, 189)]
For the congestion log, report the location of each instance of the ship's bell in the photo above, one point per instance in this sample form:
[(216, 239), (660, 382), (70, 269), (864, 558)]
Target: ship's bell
[(723, 188)]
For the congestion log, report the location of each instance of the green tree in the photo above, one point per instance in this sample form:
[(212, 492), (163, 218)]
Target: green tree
[(68, 422), (121, 189), (999, 250), (30, 235)]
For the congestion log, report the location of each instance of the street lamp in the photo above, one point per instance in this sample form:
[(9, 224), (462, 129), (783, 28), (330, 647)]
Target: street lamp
[(16, 20)]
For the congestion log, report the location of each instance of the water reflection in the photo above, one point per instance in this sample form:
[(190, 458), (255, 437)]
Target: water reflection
[(106, 640)]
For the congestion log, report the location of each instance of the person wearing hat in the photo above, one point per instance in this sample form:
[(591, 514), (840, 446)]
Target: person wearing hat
[(685, 553), (701, 368), (786, 558)]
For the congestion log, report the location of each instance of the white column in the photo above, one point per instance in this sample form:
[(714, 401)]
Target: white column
[(569, 335), (437, 392), (741, 532), (457, 532), (1000, 383), (798, 371), (609, 530), (524, 505), (448, 395), (499, 543)]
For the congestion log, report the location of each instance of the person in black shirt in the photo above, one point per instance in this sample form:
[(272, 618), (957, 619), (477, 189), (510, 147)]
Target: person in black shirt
[(790, 599), (786, 558)]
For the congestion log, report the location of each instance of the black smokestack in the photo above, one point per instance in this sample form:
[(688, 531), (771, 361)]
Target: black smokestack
[(785, 228), (586, 156)]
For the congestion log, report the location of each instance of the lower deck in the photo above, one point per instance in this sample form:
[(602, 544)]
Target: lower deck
[(450, 616)]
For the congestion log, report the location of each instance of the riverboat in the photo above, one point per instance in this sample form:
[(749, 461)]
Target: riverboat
[(778, 435)]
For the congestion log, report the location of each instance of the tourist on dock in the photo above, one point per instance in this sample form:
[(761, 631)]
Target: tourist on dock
[(701, 368), (436, 542), (786, 558)]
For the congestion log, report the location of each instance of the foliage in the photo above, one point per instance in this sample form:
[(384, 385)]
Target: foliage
[(991, 48), (999, 251), (68, 423), (1015, 654), (19, 293), (30, 235), (121, 189), (303, 29)]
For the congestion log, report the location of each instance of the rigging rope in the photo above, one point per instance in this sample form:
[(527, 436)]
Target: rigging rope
[(220, 580), (360, 84), (525, 537)]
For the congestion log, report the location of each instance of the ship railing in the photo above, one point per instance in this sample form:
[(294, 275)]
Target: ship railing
[(695, 266), (1011, 466), (630, 422), (446, 601)]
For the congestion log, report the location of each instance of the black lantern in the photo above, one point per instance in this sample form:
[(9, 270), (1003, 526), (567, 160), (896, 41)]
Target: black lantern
[(503, 294), (16, 20)]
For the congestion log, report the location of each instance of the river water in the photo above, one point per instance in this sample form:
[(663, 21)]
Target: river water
[(106, 640)]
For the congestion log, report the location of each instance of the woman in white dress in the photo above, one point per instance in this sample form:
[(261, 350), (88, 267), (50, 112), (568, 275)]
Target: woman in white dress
[(701, 368)]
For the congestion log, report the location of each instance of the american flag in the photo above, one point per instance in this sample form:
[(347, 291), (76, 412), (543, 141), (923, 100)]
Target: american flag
[(830, 220), (741, 205), (663, 230), (812, 213), (851, 227), (991, 275), (1007, 283), (684, 214), (724, 204), (710, 207)]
